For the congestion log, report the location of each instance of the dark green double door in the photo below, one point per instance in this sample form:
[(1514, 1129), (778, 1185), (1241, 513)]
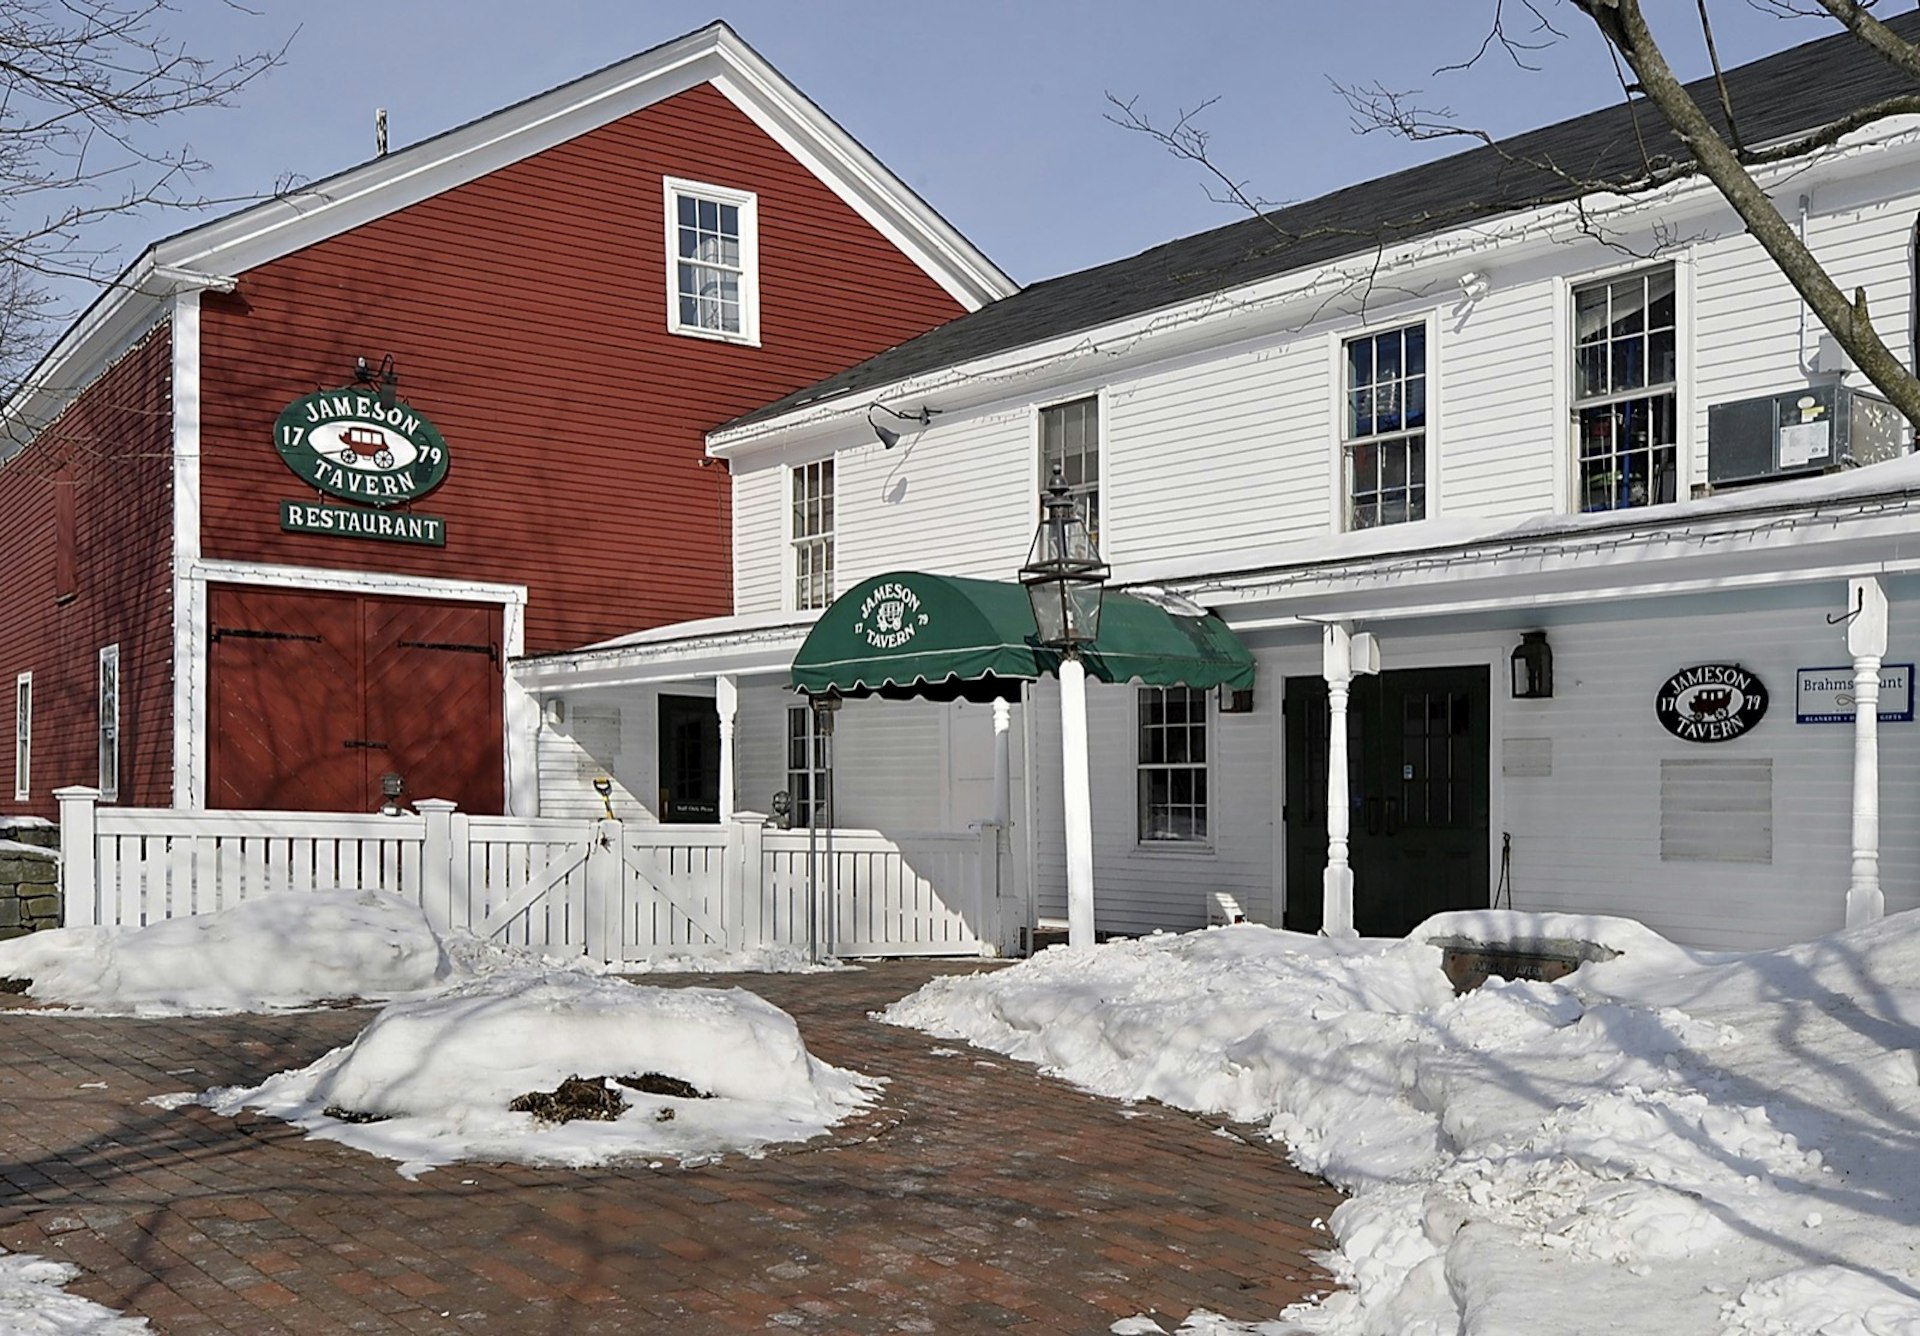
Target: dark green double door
[(1417, 754)]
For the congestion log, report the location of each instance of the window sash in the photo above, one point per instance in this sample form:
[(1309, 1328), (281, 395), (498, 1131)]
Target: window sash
[(809, 778), (23, 736), (1172, 765), (1070, 441), (1383, 428), (709, 263), (812, 521), (109, 723), (1625, 336)]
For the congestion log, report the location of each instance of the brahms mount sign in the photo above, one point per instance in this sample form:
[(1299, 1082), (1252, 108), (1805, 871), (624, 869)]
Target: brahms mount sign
[(1712, 702), (350, 445)]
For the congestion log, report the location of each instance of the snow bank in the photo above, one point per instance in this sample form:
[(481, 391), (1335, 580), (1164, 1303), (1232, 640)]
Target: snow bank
[(284, 950), (33, 1302), (1668, 1141), (441, 1071)]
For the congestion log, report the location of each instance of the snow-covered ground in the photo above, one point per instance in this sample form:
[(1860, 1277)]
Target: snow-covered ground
[(32, 1302), (1670, 1141), (438, 1073), (296, 949)]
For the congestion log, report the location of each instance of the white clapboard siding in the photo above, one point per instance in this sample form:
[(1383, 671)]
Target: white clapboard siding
[(1493, 405), (759, 537)]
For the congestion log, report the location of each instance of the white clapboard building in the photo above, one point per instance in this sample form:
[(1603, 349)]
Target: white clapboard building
[(1621, 528)]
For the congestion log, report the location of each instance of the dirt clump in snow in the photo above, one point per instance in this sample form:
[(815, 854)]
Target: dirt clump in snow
[(15, 985), (658, 1083), (574, 1098), (347, 1115)]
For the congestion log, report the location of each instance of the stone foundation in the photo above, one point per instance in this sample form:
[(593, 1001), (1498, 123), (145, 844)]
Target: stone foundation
[(29, 875)]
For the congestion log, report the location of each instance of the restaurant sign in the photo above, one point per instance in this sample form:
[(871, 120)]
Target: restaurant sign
[(352, 522), (350, 445), (1711, 702), (1825, 695)]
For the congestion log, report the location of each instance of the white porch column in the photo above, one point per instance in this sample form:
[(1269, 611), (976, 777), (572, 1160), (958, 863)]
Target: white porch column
[(1079, 801), (1002, 763), (726, 702), (1336, 665), (1867, 642)]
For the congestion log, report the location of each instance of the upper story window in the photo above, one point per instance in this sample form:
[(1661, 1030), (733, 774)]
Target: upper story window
[(1624, 371), (23, 736), (712, 262), (812, 534), (1172, 764), (109, 728), (1384, 435), (1070, 445)]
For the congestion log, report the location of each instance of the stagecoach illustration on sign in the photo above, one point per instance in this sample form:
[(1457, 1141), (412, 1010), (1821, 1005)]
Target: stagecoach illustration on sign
[(358, 443)]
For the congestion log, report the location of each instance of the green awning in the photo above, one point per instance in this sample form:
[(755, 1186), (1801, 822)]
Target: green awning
[(940, 637)]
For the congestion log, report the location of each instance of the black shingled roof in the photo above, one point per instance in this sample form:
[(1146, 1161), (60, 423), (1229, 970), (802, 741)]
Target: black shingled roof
[(1773, 98)]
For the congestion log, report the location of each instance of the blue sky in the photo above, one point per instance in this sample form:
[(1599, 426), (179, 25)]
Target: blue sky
[(995, 110)]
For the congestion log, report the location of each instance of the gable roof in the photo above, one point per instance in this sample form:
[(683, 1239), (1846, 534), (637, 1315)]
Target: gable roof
[(1774, 97), (210, 254)]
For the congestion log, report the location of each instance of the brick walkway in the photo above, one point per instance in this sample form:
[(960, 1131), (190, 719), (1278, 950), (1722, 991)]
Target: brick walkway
[(979, 1197)]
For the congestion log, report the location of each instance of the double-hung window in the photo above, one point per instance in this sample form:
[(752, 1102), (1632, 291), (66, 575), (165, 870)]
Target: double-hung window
[(1625, 368), (812, 534), (1172, 764), (1384, 435), (809, 783), (1070, 451), (23, 736), (712, 262), (109, 724)]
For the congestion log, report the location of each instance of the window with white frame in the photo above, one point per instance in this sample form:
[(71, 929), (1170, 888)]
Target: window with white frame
[(1384, 434), (1625, 368), (110, 723), (712, 262), (809, 783), (1070, 450), (23, 736), (812, 534), (1172, 764)]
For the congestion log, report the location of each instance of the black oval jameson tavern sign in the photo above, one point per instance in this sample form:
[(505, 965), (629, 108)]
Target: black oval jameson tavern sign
[(346, 443), (1713, 702)]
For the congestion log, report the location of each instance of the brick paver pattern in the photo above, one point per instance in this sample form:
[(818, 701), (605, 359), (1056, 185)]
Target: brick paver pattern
[(978, 1196)]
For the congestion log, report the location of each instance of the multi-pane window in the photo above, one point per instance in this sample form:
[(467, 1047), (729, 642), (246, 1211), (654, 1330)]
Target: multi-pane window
[(809, 781), (1070, 451), (1173, 763), (1385, 432), (23, 736), (710, 240), (110, 723), (1624, 369), (812, 529)]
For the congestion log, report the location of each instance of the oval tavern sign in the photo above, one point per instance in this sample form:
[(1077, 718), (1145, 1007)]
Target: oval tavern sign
[(1712, 702), (346, 443)]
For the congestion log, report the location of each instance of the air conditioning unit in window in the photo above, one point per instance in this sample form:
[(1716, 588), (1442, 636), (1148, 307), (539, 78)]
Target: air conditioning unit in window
[(1799, 432)]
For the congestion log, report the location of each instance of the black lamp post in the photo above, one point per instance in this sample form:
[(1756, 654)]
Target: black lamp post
[(1065, 578)]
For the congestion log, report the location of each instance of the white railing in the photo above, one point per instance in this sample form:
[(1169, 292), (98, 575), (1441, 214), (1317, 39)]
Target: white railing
[(607, 889)]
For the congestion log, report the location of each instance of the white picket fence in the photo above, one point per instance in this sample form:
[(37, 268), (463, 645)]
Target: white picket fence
[(607, 889)]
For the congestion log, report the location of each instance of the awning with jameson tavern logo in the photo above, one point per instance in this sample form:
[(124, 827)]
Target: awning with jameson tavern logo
[(908, 635)]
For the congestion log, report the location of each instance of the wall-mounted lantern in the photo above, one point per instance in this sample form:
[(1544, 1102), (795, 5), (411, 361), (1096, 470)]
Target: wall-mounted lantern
[(1066, 580), (1533, 667)]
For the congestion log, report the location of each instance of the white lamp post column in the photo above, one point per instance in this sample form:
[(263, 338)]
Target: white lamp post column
[(1078, 801), (726, 703), (1336, 664), (1867, 642)]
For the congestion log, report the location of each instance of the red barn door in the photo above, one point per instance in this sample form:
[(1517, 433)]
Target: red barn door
[(315, 696)]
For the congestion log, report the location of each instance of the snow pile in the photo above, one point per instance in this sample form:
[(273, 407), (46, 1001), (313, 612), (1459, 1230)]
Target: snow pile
[(283, 950), (428, 1082), (298, 948), (32, 1302), (1668, 1141)]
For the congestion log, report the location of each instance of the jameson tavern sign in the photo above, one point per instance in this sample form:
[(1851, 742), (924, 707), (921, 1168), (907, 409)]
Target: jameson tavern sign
[(890, 616), (1712, 702), (350, 445)]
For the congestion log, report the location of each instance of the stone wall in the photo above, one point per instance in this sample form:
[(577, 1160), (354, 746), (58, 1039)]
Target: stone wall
[(29, 875)]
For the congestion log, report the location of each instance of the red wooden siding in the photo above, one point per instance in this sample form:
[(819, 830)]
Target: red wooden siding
[(526, 312), (314, 696), (112, 449)]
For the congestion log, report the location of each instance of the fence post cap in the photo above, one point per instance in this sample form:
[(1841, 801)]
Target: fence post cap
[(73, 791), (746, 818), (424, 805)]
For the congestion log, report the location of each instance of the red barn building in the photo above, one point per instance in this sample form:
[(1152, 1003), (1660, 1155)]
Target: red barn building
[(280, 505)]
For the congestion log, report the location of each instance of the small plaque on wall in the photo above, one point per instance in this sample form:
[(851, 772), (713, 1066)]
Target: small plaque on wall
[(390, 526)]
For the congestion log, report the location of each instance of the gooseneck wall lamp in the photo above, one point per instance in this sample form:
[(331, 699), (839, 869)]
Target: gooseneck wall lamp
[(383, 377), (887, 435)]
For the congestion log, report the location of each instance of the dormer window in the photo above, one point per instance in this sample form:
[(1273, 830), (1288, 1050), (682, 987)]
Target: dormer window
[(713, 287)]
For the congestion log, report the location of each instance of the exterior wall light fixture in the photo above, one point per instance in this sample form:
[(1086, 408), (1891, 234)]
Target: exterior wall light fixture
[(1533, 667), (384, 377), (887, 435)]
